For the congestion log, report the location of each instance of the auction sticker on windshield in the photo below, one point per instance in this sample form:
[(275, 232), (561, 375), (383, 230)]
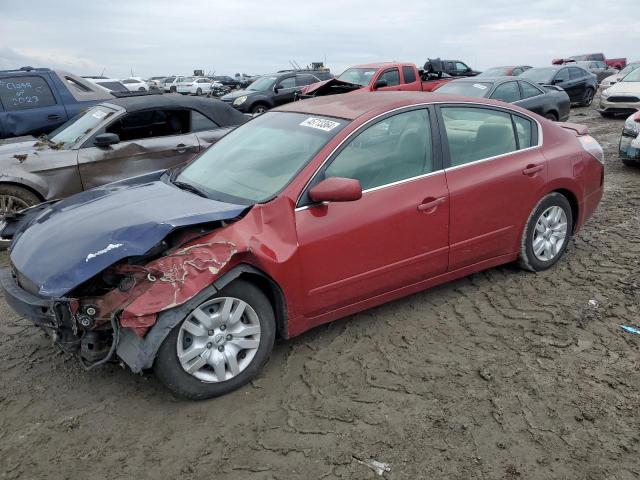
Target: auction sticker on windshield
[(320, 124), (99, 114)]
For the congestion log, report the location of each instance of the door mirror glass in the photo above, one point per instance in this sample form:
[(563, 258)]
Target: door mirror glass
[(106, 139), (381, 83), (336, 189)]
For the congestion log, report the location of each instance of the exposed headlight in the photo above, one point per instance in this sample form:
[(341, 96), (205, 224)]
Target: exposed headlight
[(605, 93), (630, 126), (240, 100)]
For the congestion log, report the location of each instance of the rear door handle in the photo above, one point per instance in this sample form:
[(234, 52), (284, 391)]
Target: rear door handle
[(53, 116), (430, 204), (532, 169)]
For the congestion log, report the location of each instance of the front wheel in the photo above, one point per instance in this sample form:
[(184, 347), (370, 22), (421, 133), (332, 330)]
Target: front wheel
[(220, 346), (259, 109), (198, 92), (14, 198), (547, 233), (551, 116)]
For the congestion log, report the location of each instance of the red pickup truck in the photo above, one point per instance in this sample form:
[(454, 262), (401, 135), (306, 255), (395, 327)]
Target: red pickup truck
[(618, 63), (378, 77)]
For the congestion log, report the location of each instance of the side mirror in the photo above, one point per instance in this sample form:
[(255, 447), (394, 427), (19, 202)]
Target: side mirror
[(275, 89), (380, 83), (469, 70), (106, 139), (336, 189), (556, 81)]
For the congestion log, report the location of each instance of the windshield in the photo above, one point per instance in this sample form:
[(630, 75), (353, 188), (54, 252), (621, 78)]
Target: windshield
[(466, 89), (360, 76), (254, 162), (539, 75), (79, 126), (629, 68), (633, 76), (262, 84), (495, 72)]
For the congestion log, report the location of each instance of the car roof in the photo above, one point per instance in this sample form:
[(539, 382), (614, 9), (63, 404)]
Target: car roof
[(501, 79), (215, 109), (380, 64), (355, 104)]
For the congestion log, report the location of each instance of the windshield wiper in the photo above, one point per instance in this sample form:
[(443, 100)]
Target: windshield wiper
[(190, 188)]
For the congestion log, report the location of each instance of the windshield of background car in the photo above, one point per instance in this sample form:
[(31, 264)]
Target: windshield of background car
[(262, 84), (495, 72), (466, 89), (257, 160), (633, 76), (360, 76), (628, 69), (539, 75), (80, 126), (113, 86)]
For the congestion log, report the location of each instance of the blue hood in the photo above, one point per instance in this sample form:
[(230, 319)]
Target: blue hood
[(69, 242)]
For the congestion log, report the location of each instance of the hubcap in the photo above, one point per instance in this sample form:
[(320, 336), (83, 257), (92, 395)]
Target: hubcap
[(219, 339), (11, 204), (550, 233)]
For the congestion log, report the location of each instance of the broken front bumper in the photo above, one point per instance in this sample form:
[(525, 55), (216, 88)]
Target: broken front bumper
[(41, 311)]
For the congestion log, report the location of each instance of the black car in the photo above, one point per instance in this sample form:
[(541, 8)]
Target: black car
[(455, 68), (579, 84), (550, 102), (227, 81), (269, 91)]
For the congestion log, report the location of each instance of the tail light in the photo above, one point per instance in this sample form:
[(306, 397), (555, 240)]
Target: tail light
[(592, 147)]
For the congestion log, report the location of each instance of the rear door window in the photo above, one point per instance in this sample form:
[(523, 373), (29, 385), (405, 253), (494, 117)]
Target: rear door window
[(302, 80), (201, 123), (529, 90), (507, 92), (477, 133), (409, 74), (23, 93)]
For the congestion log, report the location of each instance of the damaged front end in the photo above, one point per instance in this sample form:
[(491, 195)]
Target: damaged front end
[(135, 260), (332, 86)]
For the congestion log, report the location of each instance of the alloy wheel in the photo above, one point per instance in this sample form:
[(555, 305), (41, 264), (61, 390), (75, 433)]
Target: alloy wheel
[(219, 339), (550, 233), (10, 204)]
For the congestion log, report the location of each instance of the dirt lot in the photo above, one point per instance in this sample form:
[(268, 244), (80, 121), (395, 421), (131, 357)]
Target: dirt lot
[(504, 374)]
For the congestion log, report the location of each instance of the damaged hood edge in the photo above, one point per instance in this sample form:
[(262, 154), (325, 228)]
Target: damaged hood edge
[(65, 244)]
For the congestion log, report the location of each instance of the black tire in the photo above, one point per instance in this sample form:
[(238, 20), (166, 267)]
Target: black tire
[(21, 194), (587, 97), (198, 92), (606, 114), (169, 371), (172, 89), (551, 116), (259, 108), (142, 89), (527, 259), (628, 163)]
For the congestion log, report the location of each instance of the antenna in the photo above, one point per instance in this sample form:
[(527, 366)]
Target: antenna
[(102, 74)]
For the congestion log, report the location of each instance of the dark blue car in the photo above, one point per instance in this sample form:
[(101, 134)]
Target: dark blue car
[(38, 100)]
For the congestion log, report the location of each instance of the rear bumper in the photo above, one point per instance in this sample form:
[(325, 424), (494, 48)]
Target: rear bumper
[(41, 311)]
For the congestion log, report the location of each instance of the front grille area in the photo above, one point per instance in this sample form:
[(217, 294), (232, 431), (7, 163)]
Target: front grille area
[(622, 99)]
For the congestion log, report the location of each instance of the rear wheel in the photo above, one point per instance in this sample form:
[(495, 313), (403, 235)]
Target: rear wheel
[(220, 346), (551, 116), (14, 198), (587, 98), (547, 233)]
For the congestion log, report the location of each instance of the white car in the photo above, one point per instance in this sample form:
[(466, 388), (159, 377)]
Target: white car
[(111, 84), (196, 85), (170, 84), (135, 84)]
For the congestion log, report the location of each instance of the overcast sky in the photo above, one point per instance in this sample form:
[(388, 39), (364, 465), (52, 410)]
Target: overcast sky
[(158, 37)]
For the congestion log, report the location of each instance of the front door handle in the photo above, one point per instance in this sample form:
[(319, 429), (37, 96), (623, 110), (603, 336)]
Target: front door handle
[(53, 116), (181, 148), (531, 170), (430, 204)]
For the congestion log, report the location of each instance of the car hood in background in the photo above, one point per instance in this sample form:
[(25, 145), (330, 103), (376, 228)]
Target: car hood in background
[(238, 93), (622, 88), (330, 87), (69, 242)]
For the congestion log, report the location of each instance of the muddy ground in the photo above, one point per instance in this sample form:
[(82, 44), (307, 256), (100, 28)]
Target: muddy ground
[(501, 375)]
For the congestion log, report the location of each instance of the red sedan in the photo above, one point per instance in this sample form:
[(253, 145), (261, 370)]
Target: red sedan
[(311, 212)]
